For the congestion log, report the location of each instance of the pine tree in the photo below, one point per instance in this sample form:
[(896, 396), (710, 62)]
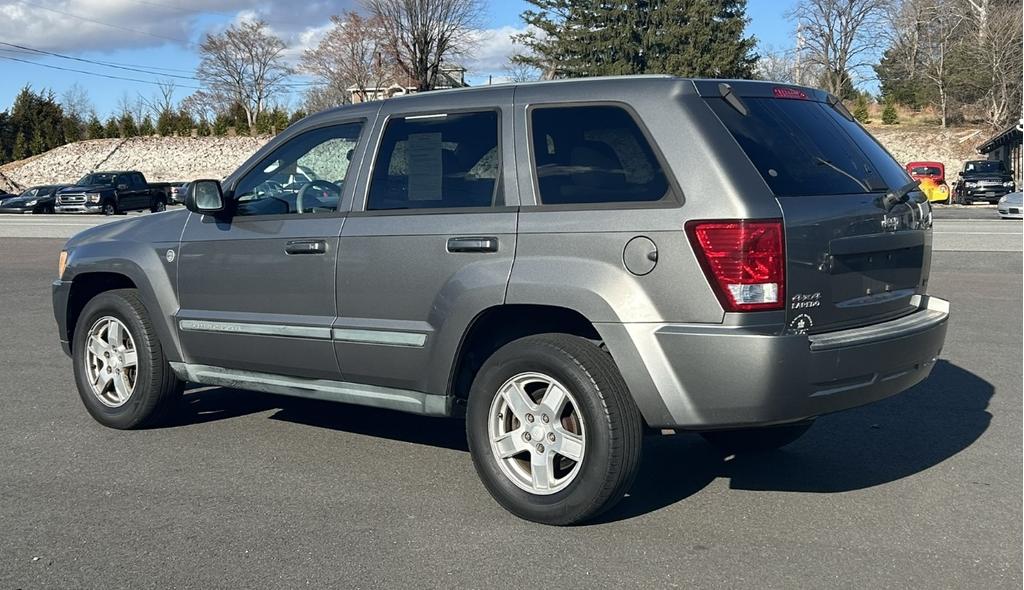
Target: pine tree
[(183, 123), (889, 115), (146, 128), (128, 126), (95, 128), (20, 150), (165, 124), (112, 129), (860, 111), (221, 125), (575, 38)]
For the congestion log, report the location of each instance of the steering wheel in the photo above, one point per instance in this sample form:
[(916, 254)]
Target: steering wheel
[(323, 185), (267, 188)]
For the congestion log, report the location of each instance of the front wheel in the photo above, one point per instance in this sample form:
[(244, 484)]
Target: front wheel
[(123, 377), (553, 431), (757, 440), (109, 208), (158, 207)]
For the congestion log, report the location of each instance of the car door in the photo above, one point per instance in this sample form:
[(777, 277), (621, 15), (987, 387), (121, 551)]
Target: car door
[(257, 288), (431, 239)]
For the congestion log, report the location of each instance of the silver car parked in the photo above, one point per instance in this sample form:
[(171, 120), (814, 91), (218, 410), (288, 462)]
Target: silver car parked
[(567, 264)]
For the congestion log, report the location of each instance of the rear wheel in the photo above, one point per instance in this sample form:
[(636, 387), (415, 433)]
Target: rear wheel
[(754, 440), (123, 377), (552, 429)]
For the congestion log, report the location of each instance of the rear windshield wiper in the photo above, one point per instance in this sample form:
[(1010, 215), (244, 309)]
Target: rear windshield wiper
[(860, 182), (725, 91)]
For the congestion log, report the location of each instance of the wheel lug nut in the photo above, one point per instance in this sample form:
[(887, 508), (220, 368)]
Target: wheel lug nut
[(530, 418), (551, 436), (544, 418), (540, 448), (526, 436)]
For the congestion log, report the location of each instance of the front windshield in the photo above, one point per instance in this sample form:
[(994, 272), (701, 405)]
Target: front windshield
[(30, 193), (93, 179), (985, 167)]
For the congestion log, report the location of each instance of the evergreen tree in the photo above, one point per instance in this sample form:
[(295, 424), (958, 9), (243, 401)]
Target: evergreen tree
[(146, 128), (128, 126), (889, 115), (576, 38), (20, 150), (203, 128), (112, 129), (165, 124), (74, 129), (860, 111), (279, 120), (183, 123), (296, 117), (95, 128), (221, 125)]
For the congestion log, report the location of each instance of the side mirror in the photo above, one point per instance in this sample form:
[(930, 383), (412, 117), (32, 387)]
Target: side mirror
[(960, 174), (205, 197), (122, 187)]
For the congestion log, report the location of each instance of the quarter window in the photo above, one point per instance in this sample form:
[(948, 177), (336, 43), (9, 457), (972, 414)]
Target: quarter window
[(304, 176), (437, 161), (593, 154)]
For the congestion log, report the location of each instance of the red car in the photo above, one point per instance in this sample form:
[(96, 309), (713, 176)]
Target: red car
[(933, 179)]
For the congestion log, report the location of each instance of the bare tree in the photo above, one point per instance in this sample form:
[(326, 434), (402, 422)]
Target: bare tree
[(784, 65), (421, 35), (840, 36), (162, 101), (998, 53), (75, 102), (516, 71), (941, 26), (352, 55), (245, 64)]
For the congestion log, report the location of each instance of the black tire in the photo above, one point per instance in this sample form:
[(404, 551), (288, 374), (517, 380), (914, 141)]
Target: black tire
[(756, 440), (109, 208), (612, 422), (157, 389), (158, 207)]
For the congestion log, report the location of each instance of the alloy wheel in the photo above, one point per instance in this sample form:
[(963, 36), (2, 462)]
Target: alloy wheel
[(111, 361), (537, 433)]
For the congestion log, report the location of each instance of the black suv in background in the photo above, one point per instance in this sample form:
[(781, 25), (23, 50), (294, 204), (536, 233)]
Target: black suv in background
[(983, 180), (112, 193)]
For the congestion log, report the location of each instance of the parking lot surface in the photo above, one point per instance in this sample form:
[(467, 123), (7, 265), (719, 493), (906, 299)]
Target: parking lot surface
[(248, 490)]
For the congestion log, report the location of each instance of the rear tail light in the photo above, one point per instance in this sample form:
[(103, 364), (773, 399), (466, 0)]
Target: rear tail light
[(745, 262)]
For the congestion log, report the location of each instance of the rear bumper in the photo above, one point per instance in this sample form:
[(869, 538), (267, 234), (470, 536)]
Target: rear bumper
[(700, 377)]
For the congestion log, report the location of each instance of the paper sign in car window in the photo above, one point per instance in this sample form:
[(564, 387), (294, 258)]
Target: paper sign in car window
[(423, 154)]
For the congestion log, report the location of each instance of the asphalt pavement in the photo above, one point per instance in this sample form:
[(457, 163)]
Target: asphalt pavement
[(249, 490)]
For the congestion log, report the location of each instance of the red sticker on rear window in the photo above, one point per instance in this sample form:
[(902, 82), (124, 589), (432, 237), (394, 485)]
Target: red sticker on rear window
[(783, 92)]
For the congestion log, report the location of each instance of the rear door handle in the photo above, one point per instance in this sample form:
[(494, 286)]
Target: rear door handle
[(473, 244), (305, 247)]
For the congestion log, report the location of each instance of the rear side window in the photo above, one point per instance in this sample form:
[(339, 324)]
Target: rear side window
[(593, 154), (804, 147), (437, 161)]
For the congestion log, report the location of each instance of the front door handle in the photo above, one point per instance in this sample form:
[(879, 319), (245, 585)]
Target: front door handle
[(305, 247), (473, 244)]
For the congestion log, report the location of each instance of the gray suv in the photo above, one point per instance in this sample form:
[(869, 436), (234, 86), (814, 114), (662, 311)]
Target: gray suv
[(568, 265)]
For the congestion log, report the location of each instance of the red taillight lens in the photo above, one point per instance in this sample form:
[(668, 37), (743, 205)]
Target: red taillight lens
[(744, 260)]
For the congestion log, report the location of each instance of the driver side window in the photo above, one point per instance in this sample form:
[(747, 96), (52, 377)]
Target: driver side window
[(305, 176)]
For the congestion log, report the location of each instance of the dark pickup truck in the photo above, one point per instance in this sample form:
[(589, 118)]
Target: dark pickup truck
[(983, 180), (112, 193)]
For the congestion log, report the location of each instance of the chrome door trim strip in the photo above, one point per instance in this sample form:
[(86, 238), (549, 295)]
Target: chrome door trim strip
[(255, 329), (354, 335), (389, 337), (414, 402)]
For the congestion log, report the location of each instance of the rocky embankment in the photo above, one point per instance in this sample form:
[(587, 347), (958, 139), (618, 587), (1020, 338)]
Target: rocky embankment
[(161, 159), (164, 159)]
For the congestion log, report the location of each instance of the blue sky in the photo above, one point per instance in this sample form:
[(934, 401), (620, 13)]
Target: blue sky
[(162, 34)]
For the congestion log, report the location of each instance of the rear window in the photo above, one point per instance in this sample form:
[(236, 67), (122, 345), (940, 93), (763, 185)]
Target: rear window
[(593, 154), (803, 147)]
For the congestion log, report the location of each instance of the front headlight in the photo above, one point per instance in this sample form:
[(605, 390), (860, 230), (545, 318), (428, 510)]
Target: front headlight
[(970, 183), (1008, 184), (93, 197)]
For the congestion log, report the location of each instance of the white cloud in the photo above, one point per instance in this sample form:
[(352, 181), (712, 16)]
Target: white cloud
[(493, 49), (107, 25)]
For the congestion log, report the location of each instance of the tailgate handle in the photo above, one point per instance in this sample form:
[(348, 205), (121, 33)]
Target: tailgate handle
[(473, 244), (296, 247), (876, 243)]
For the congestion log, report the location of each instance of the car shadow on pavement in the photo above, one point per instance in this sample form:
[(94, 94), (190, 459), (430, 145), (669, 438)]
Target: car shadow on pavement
[(852, 450), (208, 404)]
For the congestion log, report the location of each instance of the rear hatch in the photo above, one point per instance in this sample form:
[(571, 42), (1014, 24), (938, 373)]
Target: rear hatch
[(856, 253)]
